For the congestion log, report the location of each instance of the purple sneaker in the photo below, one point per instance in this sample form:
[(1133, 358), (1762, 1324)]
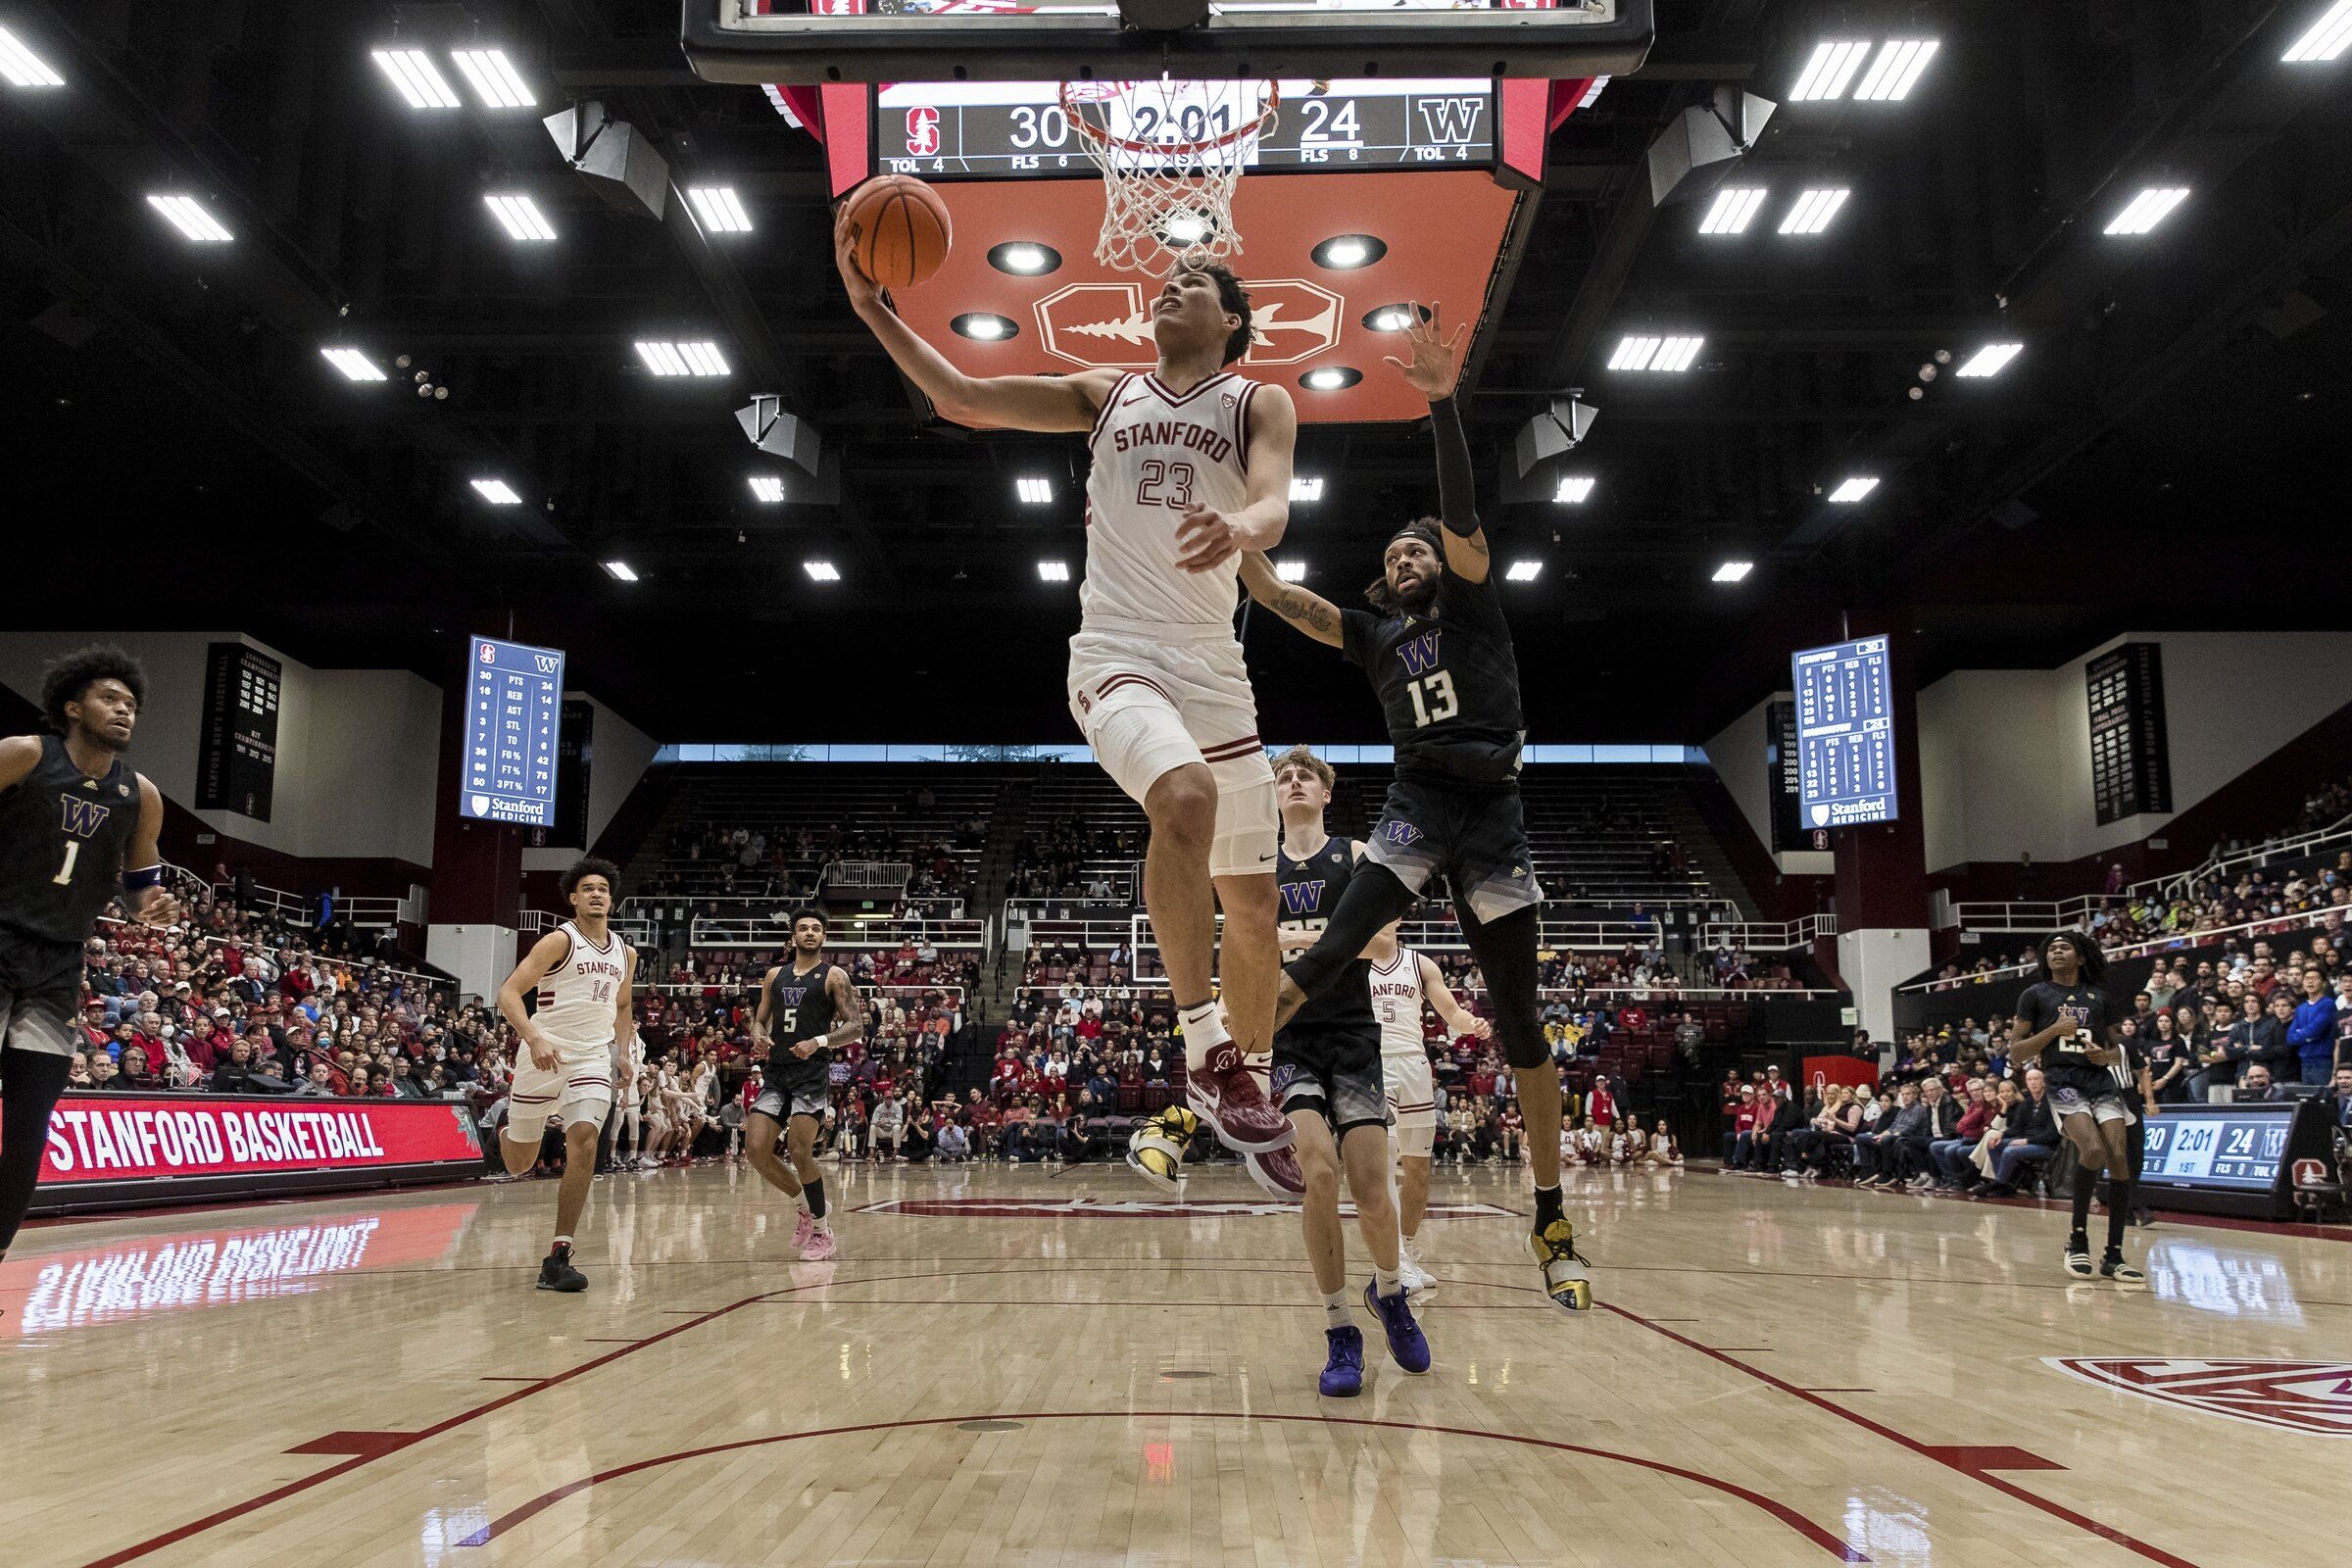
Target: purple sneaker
[(1407, 1344), (1343, 1374)]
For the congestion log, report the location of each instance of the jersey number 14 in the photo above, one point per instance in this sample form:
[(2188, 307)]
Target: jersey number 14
[(1440, 704)]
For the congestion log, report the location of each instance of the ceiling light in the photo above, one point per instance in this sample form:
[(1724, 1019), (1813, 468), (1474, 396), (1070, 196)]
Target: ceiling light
[(1291, 570), (700, 357), (353, 364), (1733, 570), (2147, 209), (1185, 229), (768, 489), (1669, 354), (419, 79), (1331, 378), (1853, 490), (1813, 210), (498, 492), (1054, 570), (1829, 70), (1024, 258), (494, 81), (1033, 490), (1895, 71), (720, 209), (1524, 570), (189, 216), (1394, 317), (621, 570), (1991, 360), (821, 571), (1344, 253), (1574, 491), (22, 66), (1734, 210), (984, 326), (2328, 39), (1306, 487), (520, 217)]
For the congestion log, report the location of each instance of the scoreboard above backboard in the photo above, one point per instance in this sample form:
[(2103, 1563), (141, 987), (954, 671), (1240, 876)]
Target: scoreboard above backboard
[(764, 41), (514, 711), (1844, 734)]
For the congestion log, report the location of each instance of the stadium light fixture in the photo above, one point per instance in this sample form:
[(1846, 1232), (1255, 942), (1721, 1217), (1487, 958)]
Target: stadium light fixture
[(620, 571), (1054, 570), (768, 489), (1291, 570), (354, 365), (699, 359), (1991, 360), (1524, 570), (1331, 377), (821, 571), (1668, 354), (494, 78), (1306, 487), (2329, 37), (1733, 570), (1853, 490), (1896, 70), (720, 208), (187, 214), (1034, 490), (1575, 490), (984, 326), (520, 217), (21, 68), (419, 80), (498, 492), (1813, 210), (2147, 209), (1831, 67), (1734, 210)]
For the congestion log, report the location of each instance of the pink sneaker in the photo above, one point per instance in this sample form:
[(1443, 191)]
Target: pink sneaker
[(1223, 1093), (1278, 1172), (819, 1247), (803, 1228)]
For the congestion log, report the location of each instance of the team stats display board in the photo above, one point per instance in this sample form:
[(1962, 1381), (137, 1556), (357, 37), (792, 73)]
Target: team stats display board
[(2231, 1159), (1019, 129), (236, 768), (1844, 734), (514, 727)]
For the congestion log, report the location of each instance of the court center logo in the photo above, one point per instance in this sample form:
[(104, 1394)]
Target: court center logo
[(2308, 1397), (1108, 326)]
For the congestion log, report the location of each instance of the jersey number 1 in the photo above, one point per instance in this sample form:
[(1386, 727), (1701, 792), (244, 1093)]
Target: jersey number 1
[(1441, 705), (64, 872)]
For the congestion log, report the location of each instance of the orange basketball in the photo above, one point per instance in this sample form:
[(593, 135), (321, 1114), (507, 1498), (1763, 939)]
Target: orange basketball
[(899, 231)]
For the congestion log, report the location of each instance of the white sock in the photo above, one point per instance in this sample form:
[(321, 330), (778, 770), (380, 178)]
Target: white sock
[(562, 1241), (1337, 1310), (1405, 1254), (1386, 1281), (799, 1199), (1203, 1031)]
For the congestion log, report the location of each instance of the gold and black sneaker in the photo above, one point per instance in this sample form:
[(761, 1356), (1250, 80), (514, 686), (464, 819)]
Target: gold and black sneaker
[(2112, 1266), (1564, 1281)]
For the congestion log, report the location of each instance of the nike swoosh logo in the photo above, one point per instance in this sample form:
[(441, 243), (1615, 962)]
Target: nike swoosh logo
[(1263, 858)]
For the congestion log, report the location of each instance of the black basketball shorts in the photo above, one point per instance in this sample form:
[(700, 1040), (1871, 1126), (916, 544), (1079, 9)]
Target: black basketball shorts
[(1334, 1069), (1476, 841)]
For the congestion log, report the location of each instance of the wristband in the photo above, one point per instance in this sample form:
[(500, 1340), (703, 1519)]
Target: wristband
[(144, 878)]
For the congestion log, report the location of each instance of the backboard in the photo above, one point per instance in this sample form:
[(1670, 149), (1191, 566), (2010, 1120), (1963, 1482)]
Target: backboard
[(764, 41)]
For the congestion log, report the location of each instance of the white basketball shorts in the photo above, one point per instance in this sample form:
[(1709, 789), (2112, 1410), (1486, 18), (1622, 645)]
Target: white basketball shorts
[(1412, 1100), (1152, 699), (580, 1088)]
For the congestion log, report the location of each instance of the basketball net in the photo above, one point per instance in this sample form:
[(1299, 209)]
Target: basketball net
[(1171, 153)]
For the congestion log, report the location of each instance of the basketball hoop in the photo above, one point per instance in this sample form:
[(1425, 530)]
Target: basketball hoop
[(1171, 153)]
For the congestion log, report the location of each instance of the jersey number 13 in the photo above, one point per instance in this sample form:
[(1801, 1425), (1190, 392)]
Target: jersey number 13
[(1439, 705)]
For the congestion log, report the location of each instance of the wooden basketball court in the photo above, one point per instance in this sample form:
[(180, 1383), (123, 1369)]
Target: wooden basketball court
[(1004, 1367)]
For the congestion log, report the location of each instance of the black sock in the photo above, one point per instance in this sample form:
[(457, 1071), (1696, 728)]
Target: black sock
[(34, 1078), (2083, 1181), (2119, 1211), (1547, 1205), (817, 1197)]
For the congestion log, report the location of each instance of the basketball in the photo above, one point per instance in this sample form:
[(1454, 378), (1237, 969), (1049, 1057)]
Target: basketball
[(899, 230)]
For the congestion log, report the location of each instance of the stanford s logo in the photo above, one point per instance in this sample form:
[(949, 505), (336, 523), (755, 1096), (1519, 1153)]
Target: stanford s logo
[(84, 819)]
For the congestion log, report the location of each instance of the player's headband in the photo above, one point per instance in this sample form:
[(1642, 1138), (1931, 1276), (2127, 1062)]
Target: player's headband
[(1411, 531)]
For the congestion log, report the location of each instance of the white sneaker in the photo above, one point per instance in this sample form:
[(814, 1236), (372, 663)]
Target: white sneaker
[(1418, 1280)]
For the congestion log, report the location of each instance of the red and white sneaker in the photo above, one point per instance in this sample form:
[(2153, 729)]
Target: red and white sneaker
[(803, 1228), (819, 1247), (1223, 1093), (1278, 1172)]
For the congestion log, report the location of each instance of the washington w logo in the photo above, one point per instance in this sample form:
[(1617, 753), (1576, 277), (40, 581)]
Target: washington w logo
[(82, 818), (1449, 119), (1301, 897), (1419, 653), (546, 662)]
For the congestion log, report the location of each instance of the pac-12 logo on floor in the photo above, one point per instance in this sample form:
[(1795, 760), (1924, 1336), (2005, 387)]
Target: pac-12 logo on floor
[(2309, 1397)]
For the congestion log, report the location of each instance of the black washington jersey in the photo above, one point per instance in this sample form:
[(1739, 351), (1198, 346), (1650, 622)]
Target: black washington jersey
[(1448, 683), (62, 836), (2064, 1060), (799, 1007), (1310, 890)]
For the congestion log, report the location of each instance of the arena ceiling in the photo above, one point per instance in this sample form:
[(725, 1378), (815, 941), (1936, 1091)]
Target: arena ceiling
[(2163, 453)]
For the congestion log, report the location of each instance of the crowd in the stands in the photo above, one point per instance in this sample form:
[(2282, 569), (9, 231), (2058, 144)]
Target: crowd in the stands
[(788, 863)]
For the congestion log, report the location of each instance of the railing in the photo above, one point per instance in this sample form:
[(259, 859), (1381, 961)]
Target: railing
[(870, 875), (2338, 832), (707, 933), (1609, 995), (1768, 936), (909, 996), (2268, 926), (361, 913), (648, 906), (2027, 915), (2030, 916)]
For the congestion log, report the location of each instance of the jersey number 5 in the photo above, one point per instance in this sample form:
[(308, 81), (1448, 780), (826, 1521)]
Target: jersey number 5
[(1178, 476), (1440, 704)]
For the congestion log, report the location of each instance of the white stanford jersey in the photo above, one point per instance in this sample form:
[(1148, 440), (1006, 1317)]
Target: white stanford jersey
[(1396, 998), (576, 998), (1156, 452)]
